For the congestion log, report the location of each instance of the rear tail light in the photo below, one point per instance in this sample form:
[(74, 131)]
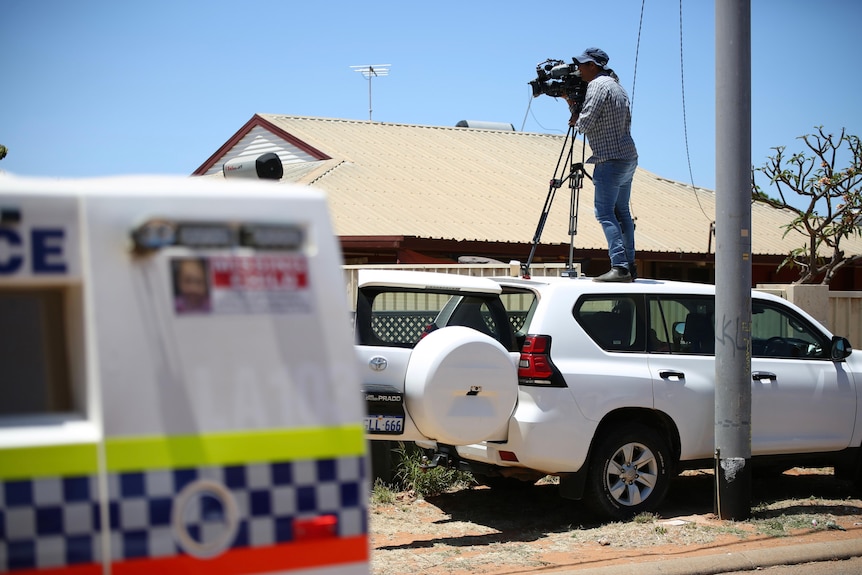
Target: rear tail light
[(428, 329), (535, 366)]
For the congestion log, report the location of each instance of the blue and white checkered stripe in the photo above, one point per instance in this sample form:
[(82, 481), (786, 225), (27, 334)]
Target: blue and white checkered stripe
[(48, 522), (51, 522)]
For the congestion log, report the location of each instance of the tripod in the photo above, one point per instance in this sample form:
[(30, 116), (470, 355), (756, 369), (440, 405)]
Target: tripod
[(575, 178)]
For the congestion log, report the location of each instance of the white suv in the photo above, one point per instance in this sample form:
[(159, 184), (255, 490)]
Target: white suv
[(608, 386)]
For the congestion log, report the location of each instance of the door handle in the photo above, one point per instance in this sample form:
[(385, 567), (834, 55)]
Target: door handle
[(671, 375), (763, 375)]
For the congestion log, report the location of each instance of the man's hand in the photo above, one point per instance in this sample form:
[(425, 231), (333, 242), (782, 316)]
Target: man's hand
[(573, 120)]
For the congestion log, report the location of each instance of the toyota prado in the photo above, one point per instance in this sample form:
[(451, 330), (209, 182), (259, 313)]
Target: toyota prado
[(610, 387)]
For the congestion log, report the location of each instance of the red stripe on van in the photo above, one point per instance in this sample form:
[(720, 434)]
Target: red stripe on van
[(282, 557)]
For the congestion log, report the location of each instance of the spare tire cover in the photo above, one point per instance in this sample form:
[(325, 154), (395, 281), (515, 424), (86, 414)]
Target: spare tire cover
[(461, 386)]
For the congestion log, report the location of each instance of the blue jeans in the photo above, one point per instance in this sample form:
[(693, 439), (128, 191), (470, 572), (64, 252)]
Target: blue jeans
[(613, 183)]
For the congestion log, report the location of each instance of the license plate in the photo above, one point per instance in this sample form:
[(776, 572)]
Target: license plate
[(384, 424)]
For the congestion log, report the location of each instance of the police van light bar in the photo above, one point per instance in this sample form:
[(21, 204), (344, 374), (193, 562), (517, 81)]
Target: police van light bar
[(205, 236), (153, 235), (157, 234), (272, 237)]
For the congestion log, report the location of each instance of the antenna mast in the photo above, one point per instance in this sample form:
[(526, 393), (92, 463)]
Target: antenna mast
[(370, 71)]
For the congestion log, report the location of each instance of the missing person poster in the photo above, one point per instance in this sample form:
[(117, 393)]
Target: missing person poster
[(257, 284)]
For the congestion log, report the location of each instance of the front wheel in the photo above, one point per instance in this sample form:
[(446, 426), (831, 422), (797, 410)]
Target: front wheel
[(629, 472)]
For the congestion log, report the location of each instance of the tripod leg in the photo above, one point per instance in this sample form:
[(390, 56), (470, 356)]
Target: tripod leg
[(556, 182), (575, 185), (539, 228), (573, 227)]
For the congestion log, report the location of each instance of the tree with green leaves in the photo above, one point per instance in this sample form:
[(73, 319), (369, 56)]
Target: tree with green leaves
[(3, 151), (828, 178)]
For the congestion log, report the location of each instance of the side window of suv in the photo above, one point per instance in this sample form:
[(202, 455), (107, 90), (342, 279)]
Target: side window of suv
[(613, 322), (682, 324), (778, 332)]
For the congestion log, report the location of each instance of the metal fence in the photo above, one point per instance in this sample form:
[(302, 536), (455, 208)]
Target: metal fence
[(401, 326), (407, 327)]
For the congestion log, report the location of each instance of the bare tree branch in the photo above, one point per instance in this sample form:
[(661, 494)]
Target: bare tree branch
[(834, 210)]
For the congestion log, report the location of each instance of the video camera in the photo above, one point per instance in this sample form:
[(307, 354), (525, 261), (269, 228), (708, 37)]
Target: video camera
[(558, 79)]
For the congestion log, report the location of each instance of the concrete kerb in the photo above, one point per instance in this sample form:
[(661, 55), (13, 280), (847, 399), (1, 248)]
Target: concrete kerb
[(734, 561)]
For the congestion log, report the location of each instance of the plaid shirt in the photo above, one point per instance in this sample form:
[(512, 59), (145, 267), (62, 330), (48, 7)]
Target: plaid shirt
[(606, 121)]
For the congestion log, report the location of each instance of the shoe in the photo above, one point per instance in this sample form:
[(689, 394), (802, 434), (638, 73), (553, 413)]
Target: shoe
[(616, 274), (633, 271)]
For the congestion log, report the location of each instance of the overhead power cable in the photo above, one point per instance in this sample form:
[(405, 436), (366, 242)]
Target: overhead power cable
[(684, 116), (637, 52)]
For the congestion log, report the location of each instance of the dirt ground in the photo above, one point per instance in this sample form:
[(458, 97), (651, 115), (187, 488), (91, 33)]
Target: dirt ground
[(482, 531)]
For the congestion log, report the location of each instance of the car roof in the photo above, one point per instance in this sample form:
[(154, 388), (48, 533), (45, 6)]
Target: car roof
[(587, 285), (391, 278), (426, 280)]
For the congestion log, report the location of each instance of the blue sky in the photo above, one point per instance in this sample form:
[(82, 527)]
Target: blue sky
[(100, 87)]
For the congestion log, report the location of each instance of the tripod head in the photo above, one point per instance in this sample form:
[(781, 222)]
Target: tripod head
[(576, 176)]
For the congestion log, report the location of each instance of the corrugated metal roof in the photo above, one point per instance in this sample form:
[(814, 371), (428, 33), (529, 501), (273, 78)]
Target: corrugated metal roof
[(489, 185)]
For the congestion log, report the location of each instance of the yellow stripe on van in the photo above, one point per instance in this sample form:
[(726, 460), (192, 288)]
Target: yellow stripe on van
[(229, 448), (48, 461)]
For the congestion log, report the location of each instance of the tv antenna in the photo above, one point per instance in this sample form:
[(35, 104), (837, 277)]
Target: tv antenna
[(372, 71)]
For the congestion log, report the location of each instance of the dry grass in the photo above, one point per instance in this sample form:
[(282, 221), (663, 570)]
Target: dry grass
[(478, 530)]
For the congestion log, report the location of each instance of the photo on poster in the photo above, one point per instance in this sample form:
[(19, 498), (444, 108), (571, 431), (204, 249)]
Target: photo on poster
[(191, 285)]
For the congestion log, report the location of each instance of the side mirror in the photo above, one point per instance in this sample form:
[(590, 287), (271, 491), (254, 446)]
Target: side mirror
[(841, 348)]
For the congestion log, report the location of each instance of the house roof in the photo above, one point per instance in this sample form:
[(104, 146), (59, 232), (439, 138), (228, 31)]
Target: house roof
[(473, 184)]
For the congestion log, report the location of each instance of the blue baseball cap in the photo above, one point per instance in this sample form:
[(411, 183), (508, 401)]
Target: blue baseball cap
[(595, 55)]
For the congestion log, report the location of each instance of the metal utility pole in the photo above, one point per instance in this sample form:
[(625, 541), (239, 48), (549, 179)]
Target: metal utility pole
[(371, 71), (733, 259)]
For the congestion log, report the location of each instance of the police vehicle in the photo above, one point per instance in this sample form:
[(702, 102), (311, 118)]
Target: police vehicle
[(176, 381)]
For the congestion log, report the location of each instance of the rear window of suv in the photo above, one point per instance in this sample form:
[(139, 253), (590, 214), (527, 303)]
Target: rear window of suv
[(392, 317), (520, 306)]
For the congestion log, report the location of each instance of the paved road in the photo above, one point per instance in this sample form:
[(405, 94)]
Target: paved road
[(828, 558), (846, 567)]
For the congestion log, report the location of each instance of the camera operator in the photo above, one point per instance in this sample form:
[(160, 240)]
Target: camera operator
[(605, 119)]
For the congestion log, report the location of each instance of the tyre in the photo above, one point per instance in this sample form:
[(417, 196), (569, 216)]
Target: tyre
[(629, 472)]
